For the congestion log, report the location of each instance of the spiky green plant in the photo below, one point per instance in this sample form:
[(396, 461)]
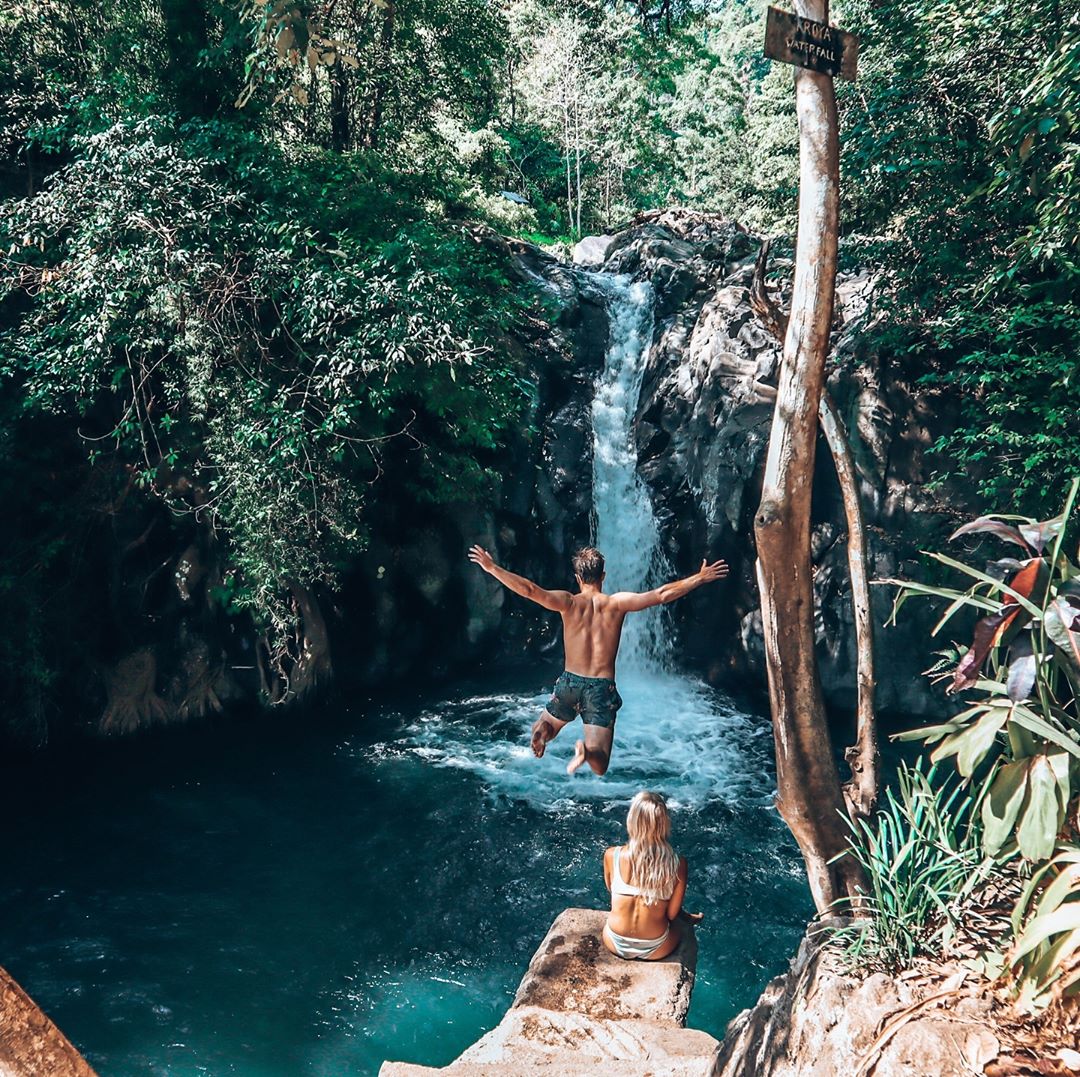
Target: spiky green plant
[(922, 858)]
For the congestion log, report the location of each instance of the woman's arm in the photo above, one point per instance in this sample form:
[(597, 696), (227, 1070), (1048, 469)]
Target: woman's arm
[(674, 906), (609, 853)]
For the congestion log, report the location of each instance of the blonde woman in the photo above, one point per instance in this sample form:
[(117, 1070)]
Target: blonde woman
[(647, 880)]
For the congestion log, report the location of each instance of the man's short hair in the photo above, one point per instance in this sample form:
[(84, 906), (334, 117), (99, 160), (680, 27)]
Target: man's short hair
[(589, 565)]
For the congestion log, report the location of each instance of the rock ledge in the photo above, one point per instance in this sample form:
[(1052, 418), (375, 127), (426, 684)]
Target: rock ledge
[(580, 1010)]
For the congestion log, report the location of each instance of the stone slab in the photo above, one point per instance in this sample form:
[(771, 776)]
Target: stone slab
[(580, 1010), (565, 1065), (572, 971)]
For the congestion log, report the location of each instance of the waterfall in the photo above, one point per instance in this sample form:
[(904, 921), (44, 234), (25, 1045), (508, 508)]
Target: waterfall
[(626, 529), (675, 734)]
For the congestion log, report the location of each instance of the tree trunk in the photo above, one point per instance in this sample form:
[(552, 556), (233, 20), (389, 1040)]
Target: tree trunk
[(809, 795), (386, 44), (860, 791), (577, 160), (569, 186), (340, 135)]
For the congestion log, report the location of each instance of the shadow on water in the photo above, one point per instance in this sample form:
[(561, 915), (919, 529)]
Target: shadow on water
[(261, 899)]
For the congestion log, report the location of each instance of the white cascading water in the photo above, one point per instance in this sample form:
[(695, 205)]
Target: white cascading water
[(626, 530), (674, 734)]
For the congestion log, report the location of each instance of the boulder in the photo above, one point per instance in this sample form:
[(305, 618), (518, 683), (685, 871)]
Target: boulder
[(572, 971), (591, 251), (819, 1019)]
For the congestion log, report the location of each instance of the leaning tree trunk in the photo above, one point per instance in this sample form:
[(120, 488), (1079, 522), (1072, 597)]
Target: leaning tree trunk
[(809, 794)]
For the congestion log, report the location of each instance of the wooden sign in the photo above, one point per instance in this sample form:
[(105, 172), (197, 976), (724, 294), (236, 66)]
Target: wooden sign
[(810, 44)]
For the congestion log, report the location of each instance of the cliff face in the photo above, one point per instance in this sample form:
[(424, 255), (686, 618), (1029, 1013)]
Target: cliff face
[(431, 610), (702, 435)]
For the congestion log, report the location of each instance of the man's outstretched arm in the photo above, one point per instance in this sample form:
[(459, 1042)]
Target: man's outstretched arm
[(631, 602), (550, 600)]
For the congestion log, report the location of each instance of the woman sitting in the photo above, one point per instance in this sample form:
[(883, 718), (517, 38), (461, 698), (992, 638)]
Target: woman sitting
[(647, 880)]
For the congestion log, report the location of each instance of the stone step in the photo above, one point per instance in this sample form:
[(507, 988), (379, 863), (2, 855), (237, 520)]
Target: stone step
[(532, 1034), (564, 1064), (530, 1040)]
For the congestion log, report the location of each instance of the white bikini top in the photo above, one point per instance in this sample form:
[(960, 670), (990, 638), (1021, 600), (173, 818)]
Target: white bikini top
[(621, 887)]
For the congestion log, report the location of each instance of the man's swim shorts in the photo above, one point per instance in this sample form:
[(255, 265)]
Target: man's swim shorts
[(596, 699)]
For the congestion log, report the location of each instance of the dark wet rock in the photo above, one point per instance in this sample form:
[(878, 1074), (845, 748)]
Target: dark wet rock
[(702, 433)]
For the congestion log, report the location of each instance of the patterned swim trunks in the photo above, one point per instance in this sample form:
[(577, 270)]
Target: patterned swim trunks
[(596, 699)]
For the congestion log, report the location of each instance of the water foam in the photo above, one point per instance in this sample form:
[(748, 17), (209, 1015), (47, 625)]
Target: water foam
[(674, 734)]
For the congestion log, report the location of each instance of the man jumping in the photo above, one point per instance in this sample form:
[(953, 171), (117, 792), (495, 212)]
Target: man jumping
[(592, 628)]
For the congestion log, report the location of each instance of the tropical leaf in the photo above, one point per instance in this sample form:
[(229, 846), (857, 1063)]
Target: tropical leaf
[(1041, 815), (972, 745), (995, 527), (1024, 716), (1065, 918), (932, 733), (1003, 568), (988, 633), (1001, 806), (1023, 666), (1007, 589), (1061, 620)]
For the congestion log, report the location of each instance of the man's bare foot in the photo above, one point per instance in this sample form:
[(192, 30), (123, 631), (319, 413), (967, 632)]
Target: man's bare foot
[(542, 732), (579, 757)]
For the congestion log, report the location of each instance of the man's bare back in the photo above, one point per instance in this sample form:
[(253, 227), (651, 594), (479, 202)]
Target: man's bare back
[(592, 629)]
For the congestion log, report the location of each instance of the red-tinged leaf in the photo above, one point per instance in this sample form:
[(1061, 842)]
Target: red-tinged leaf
[(1026, 580), (995, 527), (988, 632)]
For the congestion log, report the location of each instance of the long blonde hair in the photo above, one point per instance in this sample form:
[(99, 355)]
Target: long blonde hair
[(655, 863)]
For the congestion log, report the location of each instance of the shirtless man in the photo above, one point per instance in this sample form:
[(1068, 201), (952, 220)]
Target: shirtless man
[(592, 627)]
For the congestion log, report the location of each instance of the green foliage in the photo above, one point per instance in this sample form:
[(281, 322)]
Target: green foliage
[(1023, 670), (245, 364), (961, 164), (1046, 955), (922, 860), (1023, 713)]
